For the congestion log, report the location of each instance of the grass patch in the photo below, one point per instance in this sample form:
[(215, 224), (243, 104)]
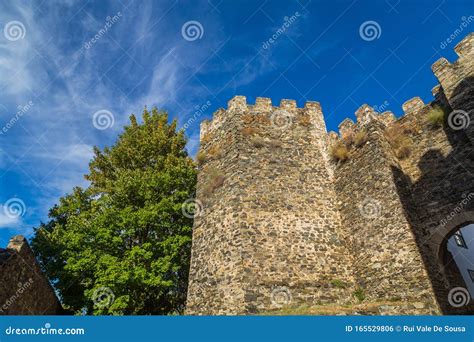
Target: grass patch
[(361, 138), (201, 157), (214, 152), (400, 141), (339, 152), (338, 283), (214, 181), (359, 294), (348, 138), (436, 116)]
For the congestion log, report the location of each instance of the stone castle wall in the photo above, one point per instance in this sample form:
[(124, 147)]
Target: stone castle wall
[(387, 262), (283, 224), (23, 288)]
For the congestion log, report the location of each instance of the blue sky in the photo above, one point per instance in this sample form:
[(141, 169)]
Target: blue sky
[(63, 61)]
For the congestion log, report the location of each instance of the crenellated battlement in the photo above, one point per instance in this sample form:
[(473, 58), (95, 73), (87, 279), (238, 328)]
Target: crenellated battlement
[(464, 49), (286, 111), (263, 104), (449, 74), (413, 105)]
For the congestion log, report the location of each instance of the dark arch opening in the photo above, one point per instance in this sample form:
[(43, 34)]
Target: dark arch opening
[(457, 259)]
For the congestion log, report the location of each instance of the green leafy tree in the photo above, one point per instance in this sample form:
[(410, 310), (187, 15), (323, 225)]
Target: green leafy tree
[(122, 246)]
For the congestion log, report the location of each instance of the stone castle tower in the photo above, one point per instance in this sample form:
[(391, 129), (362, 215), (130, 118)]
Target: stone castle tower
[(282, 223)]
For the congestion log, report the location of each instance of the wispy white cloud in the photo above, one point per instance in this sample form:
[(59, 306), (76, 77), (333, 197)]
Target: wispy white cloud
[(50, 146), (8, 221), (141, 60)]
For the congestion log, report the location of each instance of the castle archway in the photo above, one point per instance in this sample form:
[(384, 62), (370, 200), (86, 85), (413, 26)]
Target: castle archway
[(447, 229), (455, 243), (461, 247)]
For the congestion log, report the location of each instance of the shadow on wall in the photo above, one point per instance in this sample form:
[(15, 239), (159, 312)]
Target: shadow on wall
[(442, 199)]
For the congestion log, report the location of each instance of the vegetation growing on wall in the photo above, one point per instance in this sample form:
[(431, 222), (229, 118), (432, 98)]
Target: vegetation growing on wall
[(399, 140), (436, 116), (361, 138), (339, 152)]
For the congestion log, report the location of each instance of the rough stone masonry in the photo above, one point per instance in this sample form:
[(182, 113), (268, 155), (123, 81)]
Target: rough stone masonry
[(23, 288), (283, 224)]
